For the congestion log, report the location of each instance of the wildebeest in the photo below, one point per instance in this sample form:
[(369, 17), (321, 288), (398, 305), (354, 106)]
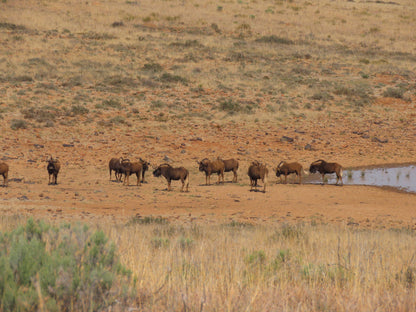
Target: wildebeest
[(230, 165), (171, 173), (4, 171), (285, 169), (129, 168), (53, 168), (145, 167), (324, 167), (210, 167), (115, 165), (257, 171)]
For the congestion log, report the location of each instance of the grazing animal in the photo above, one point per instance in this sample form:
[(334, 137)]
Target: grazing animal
[(171, 173), (128, 168), (4, 171), (285, 169), (115, 165), (257, 171), (210, 167), (324, 167), (53, 168), (145, 167), (230, 165)]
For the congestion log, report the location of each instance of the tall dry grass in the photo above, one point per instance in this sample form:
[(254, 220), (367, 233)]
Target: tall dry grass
[(243, 267), (240, 267)]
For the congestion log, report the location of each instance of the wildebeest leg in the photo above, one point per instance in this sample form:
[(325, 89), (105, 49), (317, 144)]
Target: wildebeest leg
[(6, 179), (55, 178), (138, 178), (49, 179), (300, 177), (323, 178), (339, 177), (169, 188), (235, 176), (285, 178)]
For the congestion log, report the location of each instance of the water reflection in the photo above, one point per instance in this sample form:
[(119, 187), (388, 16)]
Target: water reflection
[(401, 177)]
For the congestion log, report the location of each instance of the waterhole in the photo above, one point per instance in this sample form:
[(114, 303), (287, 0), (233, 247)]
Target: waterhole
[(401, 177)]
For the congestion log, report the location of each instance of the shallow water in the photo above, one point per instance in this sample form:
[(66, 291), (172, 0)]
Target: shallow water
[(400, 177)]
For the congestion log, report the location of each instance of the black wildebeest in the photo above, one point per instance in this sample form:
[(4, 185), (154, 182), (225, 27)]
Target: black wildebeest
[(210, 167), (324, 167), (4, 171), (129, 168), (145, 167), (285, 169), (115, 165), (257, 171), (230, 165), (53, 168), (171, 173)]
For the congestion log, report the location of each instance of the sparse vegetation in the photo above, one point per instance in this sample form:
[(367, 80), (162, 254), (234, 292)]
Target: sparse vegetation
[(394, 93), (18, 124), (319, 260), (61, 268)]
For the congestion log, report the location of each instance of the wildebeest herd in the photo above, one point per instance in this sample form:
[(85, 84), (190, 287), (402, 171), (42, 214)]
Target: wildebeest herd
[(256, 171)]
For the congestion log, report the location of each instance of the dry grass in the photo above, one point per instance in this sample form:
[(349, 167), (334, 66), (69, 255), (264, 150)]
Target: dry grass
[(237, 266)]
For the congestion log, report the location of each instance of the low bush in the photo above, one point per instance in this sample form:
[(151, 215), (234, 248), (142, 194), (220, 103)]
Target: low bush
[(396, 93), (66, 268), (18, 124), (274, 39)]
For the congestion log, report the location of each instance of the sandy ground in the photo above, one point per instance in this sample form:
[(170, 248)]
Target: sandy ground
[(85, 192), (88, 195)]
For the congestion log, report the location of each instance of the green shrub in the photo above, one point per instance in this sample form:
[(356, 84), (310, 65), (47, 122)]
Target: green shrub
[(18, 124), (166, 77), (394, 93), (152, 67), (41, 114), (79, 110), (110, 103), (274, 39), (117, 120), (69, 268), (233, 107)]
